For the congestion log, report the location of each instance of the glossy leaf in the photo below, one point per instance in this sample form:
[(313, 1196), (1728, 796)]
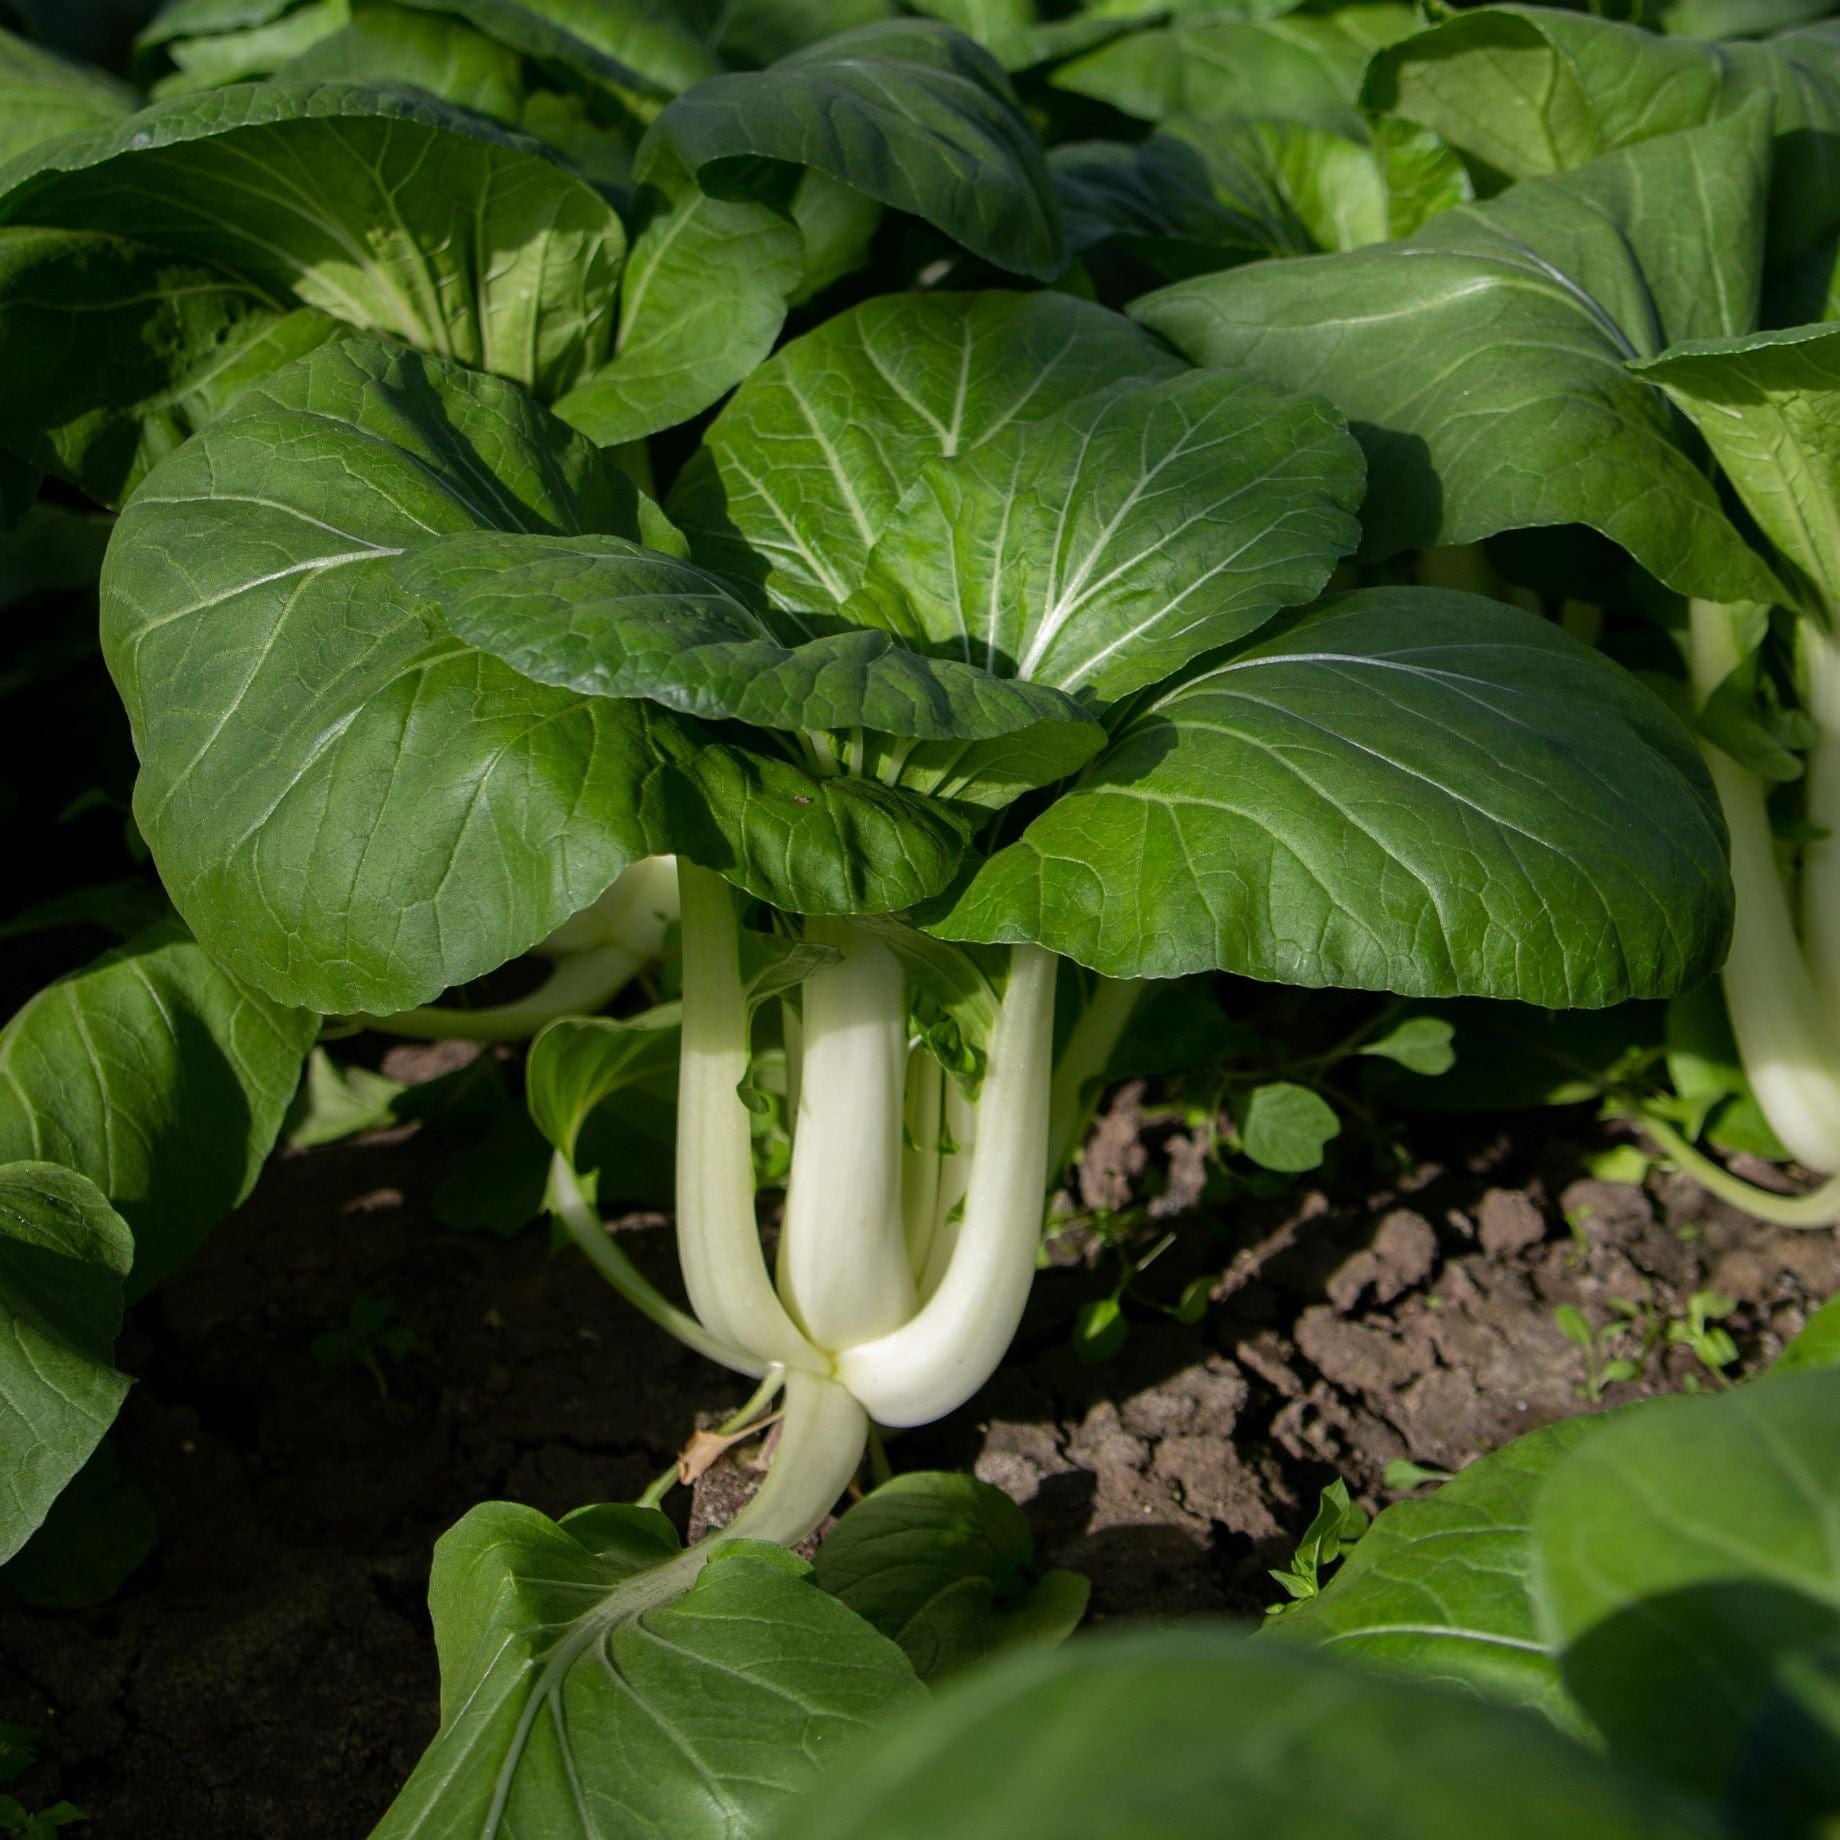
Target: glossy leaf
[(1481, 361), (582, 1692), (941, 1563), (122, 352), (1182, 1732), (1441, 1588), (1681, 1554), (1102, 550), (1768, 405), (577, 1062), (64, 1254), (1404, 789), (308, 191), (161, 1079), (907, 112), (1304, 67), (801, 472), (43, 95)]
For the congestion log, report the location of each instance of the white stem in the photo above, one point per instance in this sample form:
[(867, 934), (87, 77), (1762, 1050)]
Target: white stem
[(635, 911), (1083, 1063), (941, 1356), (954, 1178), (920, 1155), (1821, 859), (843, 1269), (718, 1237), (821, 1442), (1785, 1040)]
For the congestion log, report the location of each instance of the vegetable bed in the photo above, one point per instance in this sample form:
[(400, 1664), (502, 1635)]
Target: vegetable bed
[(940, 931)]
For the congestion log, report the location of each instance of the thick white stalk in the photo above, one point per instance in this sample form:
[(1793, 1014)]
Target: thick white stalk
[(821, 1442), (718, 1237), (634, 911), (1790, 1049), (843, 1269), (920, 1154), (942, 1355), (1821, 859)]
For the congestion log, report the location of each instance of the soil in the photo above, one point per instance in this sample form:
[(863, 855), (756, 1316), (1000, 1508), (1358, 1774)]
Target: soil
[(268, 1673)]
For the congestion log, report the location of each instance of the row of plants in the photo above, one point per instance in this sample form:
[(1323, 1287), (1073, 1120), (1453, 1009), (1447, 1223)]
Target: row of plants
[(883, 553)]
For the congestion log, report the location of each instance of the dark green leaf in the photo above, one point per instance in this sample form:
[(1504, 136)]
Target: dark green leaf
[(1102, 550), (43, 96), (1817, 1342), (1399, 790), (122, 352), (159, 1077), (580, 1690), (98, 1532), (904, 111), (1180, 1733), (1481, 360), (802, 471), (303, 189), (944, 1565), (64, 1256), (1681, 1554), (1440, 1588)]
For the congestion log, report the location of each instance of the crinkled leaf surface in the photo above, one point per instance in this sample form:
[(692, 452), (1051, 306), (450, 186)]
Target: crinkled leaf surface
[(1768, 405), (161, 1079), (582, 1693), (1169, 1735), (64, 1253), (120, 352), (1403, 789), (388, 210), (611, 618), (1681, 1554), (800, 473), (907, 112), (355, 810), (1304, 67), (942, 1564), (1440, 1587), (43, 95), (352, 809), (1481, 360), (1102, 550)]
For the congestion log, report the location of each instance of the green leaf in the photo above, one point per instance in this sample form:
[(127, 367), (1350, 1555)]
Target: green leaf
[(1100, 1330), (577, 1062), (213, 59), (98, 1532), (1681, 1554), (1403, 789), (161, 1079), (122, 352), (351, 808), (1816, 1344), (1768, 405), (610, 618), (704, 297), (1305, 67), (581, 1691), (628, 46), (336, 1102), (1102, 550), (64, 1254), (1481, 361), (761, 31), (304, 189), (1421, 1044), (390, 45), (904, 111), (1440, 1587), (802, 471), (1285, 1127), (43, 96), (1166, 1735), (943, 1564)]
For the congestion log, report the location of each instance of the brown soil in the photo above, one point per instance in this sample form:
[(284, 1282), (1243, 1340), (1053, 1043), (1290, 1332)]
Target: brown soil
[(268, 1674)]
